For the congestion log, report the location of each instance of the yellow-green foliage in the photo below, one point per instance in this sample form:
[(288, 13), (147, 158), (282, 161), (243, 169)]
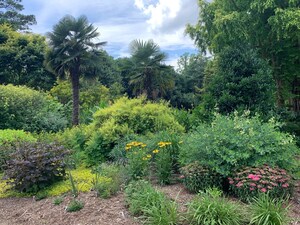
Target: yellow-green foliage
[(84, 180), (9, 136), (139, 115)]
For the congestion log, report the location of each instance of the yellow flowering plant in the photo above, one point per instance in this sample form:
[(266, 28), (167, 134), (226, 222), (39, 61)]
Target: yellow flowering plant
[(138, 159)]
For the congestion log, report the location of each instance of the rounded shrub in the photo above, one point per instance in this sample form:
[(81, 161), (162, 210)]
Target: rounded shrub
[(233, 142), (25, 109), (33, 166), (251, 181), (125, 117), (198, 178)]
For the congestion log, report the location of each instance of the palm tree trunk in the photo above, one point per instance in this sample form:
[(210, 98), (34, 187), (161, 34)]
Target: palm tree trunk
[(75, 91)]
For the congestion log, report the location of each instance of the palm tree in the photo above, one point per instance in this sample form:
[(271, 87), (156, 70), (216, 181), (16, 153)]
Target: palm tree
[(72, 51), (150, 76)]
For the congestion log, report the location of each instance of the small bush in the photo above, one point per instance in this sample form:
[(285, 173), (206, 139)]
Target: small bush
[(211, 209), (251, 181), (151, 204), (265, 210), (104, 188), (231, 143), (34, 166), (74, 205), (198, 178)]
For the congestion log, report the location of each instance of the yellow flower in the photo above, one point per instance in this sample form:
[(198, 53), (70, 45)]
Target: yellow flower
[(155, 151), (143, 145), (180, 142), (144, 158), (149, 156), (127, 148)]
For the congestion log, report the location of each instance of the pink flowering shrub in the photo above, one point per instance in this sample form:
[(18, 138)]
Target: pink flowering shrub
[(251, 181)]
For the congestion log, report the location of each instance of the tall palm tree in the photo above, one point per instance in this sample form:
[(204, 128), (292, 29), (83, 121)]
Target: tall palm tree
[(149, 75), (72, 51)]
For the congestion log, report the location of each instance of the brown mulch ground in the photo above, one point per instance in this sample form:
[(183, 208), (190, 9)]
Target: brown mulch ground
[(27, 211)]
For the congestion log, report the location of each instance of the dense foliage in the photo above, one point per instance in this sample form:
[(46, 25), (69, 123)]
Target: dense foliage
[(198, 178), (230, 143), (250, 182), (212, 208), (33, 166), (30, 110), (8, 140), (21, 59)]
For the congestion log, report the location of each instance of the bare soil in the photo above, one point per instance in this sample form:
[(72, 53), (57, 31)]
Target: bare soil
[(27, 211)]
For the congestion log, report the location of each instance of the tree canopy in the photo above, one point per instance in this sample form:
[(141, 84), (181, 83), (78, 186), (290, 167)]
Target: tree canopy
[(10, 13)]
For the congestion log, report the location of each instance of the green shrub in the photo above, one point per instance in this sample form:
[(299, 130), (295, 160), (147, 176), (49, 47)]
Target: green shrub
[(211, 209), (198, 178), (74, 205), (8, 138), (34, 166), (230, 143), (25, 109), (153, 205), (125, 117), (251, 181), (265, 210)]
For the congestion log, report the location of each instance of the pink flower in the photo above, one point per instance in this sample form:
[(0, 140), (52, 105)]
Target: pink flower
[(239, 184), (181, 177), (254, 177), (285, 185), (252, 189), (252, 184), (270, 187), (231, 182), (263, 190)]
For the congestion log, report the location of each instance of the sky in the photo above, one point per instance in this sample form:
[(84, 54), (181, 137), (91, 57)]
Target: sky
[(121, 21)]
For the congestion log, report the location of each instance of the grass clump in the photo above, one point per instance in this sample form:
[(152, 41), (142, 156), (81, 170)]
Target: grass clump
[(58, 200), (210, 208), (74, 205), (153, 206), (265, 210)]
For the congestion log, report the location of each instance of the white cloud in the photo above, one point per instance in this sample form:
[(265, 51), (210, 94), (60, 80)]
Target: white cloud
[(121, 21)]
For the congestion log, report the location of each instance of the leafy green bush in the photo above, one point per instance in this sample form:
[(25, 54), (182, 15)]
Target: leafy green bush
[(124, 117), (265, 210), (8, 138), (198, 178), (34, 166), (58, 200), (74, 205), (143, 199), (211, 209), (26, 109), (251, 181), (231, 143)]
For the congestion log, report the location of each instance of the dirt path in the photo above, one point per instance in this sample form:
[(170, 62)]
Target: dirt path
[(27, 211)]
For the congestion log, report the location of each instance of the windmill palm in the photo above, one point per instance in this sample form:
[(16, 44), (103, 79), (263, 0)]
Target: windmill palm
[(150, 76), (72, 51)]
